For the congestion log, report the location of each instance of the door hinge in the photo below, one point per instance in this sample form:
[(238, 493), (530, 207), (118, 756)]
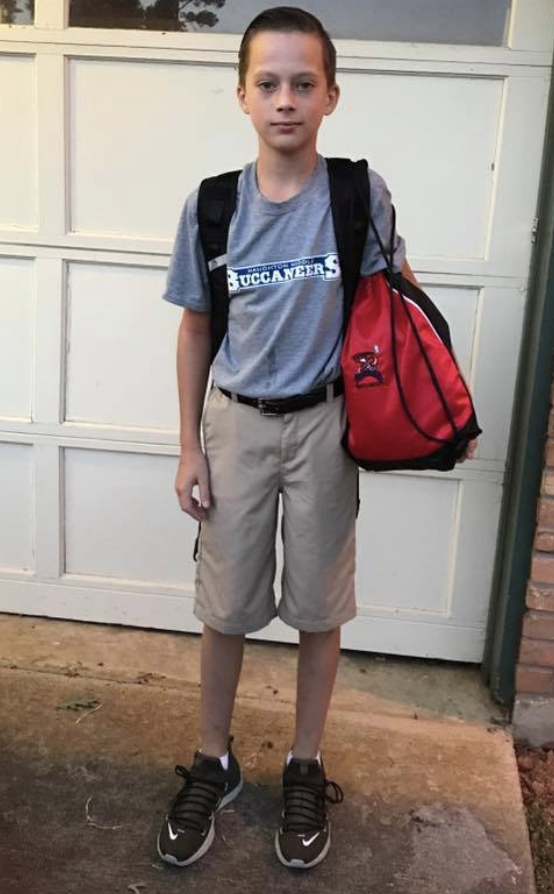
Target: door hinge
[(535, 229)]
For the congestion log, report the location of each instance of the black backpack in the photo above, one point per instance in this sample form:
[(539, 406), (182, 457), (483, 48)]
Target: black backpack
[(217, 198)]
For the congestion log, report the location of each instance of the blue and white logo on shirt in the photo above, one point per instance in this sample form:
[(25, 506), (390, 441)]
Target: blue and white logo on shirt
[(322, 266)]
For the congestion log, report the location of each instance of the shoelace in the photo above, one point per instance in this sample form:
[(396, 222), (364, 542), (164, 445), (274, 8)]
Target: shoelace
[(305, 805), (195, 802)]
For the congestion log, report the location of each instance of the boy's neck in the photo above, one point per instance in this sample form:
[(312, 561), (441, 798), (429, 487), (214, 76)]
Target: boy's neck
[(280, 177)]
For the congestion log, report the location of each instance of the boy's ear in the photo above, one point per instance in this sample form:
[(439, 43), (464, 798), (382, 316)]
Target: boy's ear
[(241, 96), (333, 95)]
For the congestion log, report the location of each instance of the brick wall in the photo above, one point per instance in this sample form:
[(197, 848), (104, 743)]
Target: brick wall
[(533, 717)]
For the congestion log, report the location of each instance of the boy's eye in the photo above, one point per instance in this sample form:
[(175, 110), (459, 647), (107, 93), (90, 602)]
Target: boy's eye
[(304, 86), (266, 86)]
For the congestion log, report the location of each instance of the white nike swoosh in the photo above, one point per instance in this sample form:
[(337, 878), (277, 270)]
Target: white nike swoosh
[(309, 841), (174, 835)]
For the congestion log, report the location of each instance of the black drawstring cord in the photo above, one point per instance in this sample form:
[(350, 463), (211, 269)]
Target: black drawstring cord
[(389, 259)]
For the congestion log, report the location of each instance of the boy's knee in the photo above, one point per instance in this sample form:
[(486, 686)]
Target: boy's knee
[(322, 634), (213, 633)]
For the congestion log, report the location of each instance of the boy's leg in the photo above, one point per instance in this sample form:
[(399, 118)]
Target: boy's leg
[(215, 777), (234, 593), (221, 664), (304, 837), (318, 659), (319, 517)]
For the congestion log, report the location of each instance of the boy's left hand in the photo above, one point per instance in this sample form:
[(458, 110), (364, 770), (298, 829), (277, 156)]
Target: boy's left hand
[(469, 451)]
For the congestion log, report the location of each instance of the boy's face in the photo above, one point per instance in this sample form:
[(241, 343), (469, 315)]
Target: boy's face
[(286, 92)]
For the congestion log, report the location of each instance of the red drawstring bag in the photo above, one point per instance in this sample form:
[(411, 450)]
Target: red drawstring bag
[(407, 404)]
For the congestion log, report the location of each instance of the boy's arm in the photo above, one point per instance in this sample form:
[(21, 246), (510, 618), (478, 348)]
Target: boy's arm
[(193, 366), (408, 273)]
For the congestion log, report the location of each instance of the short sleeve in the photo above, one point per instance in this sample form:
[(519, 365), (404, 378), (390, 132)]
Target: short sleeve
[(187, 278), (381, 212)]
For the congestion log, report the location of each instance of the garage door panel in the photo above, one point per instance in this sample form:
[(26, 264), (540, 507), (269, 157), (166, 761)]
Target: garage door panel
[(122, 519), (459, 305), (479, 514), (434, 140), (18, 139), (120, 348), (404, 558), (17, 323), (17, 513), (141, 136), (426, 548), (497, 349)]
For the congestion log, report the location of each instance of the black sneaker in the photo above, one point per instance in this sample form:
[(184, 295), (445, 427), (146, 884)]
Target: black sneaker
[(188, 829), (304, 837)]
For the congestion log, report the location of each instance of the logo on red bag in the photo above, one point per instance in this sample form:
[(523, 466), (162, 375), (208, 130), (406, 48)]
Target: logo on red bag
[(368, 374)]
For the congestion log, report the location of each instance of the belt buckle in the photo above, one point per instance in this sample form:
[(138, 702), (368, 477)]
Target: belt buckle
[(268, 408)]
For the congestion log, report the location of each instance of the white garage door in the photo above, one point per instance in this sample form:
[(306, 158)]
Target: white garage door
[(103, 133)]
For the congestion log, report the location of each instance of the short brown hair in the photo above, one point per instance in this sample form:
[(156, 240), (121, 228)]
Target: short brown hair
[(288, 18)]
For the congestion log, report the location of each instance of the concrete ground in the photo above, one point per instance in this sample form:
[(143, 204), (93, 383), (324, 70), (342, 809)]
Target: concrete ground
[(432, 798)]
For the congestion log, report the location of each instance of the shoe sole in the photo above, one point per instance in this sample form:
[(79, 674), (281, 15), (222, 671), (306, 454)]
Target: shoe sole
[(299, 864), (168, 858)]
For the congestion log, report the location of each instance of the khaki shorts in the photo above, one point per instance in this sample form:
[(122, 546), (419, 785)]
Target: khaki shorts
[(254, 461)]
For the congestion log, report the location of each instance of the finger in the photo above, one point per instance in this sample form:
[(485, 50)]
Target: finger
[(186, 500), (193, 508), (204, 492)]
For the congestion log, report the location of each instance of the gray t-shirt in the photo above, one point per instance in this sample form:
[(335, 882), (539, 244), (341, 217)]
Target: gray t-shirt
[(286, 308)]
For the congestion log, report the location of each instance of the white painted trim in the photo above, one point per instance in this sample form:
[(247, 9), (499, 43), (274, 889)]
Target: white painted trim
[(222, 49), (156, 253), (453, 551), (432, 639), (436, 615), (532, 26), (51, 14), (474, 279), (164, 443), (458, 269), (103, 256), (476, 336), (49, 322), (93, 581)]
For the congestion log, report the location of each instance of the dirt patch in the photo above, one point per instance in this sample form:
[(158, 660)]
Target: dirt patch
[(536, 774)]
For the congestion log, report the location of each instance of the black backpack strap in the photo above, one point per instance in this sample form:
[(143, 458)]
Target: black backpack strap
[(350, 204), (217, 199)]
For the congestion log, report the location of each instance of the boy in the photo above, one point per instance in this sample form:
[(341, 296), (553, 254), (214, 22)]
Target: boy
[(282, 345)]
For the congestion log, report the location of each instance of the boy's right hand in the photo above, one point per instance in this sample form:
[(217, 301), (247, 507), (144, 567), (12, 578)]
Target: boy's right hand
[(192, 471)]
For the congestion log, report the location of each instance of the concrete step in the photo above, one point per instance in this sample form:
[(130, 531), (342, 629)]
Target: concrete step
[(367, 682), (432, 805)]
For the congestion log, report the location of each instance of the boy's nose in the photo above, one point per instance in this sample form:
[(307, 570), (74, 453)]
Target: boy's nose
[(285, 98)]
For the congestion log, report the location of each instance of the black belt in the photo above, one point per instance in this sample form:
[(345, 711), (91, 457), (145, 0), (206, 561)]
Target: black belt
[(280, 405)]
